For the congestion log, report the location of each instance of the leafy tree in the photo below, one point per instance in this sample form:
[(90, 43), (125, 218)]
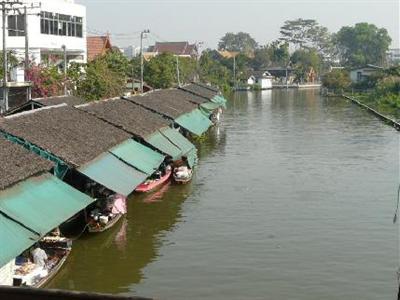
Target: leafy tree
[(241, 41), (11, 59), (160, 71), (262, 58), (100, 82), (213, 71), (336, 80), (117, 62), (306, 33), (303, 60), (46, 81), (279, 53), (362, 44)]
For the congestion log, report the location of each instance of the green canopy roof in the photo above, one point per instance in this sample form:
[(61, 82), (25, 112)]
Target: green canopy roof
[(14, 239), (188, 149), (219, 100), (42, 203), (139, 156), (160, 142), (195, 122), (208, 108), (113, 173)]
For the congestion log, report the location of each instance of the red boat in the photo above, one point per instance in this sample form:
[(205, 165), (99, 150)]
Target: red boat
[(151, 184)]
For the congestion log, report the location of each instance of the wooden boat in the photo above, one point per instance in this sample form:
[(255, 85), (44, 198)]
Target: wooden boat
[(58, 250), (96, 227), (152, 184), (182, 178), (53, 271)]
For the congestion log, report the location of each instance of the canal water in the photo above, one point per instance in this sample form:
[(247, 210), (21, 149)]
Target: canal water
[(293, 198)]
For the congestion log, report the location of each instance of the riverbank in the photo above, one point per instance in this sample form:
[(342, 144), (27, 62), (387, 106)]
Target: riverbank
[(385, 113)]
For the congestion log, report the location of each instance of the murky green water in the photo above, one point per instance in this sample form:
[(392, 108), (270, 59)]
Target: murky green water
[(293, 199)]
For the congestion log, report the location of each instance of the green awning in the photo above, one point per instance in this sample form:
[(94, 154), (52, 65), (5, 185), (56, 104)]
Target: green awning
[(139, 156), (188, 149), (209, 107), (192, 158), (15, 239), (195, 122), (178, 140), (160, 142), (114, 174), (219, 100), (42, 203)]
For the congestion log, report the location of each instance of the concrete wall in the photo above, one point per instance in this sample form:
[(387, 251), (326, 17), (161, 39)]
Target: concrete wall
[(39, 42)]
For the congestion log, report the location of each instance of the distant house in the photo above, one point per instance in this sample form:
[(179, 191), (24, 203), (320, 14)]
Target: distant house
[(261, 80), (279, 74), (181, 49), (98, 46), (228, 54), (361, 74)]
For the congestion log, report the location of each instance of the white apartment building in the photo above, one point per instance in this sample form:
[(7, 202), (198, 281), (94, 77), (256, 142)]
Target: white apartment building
[(55, 24)]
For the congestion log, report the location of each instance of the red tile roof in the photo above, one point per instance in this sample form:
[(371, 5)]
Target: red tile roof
[(177, 48), (97, 46)]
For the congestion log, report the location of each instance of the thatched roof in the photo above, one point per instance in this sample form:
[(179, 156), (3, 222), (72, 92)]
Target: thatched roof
[(70, 100), (18, 164), (171, 103), (73, 135), (126, 115), (208, 86), (199, 90), (187, 96)]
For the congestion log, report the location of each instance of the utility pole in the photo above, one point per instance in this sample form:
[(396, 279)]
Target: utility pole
[(4, 105), (65, 69), (142, 58), (5, 7), (177, 70), (234, 72), (26, 44)]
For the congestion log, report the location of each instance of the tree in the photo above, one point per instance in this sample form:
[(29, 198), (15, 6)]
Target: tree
[(213, 71), (11, 59), (100, 82), (46, 80), (362, 44), (336, 80), (306, 33), (241, 41), (160, 71), (303, 60), (279, 53)]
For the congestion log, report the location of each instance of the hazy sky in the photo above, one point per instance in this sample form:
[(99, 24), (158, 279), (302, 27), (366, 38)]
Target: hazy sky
[(208, 21)]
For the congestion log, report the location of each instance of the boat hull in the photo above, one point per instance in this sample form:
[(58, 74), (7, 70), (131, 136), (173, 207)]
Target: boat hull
[(144, 188), (110, 224)]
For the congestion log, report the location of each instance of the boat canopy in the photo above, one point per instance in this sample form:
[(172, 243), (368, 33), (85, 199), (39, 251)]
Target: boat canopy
[(113, 173), (42, 203), (139, 156), (14, 239), (209, 107), (195, 122), (160, 142)]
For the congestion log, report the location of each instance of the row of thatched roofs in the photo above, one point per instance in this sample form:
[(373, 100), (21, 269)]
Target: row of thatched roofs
[(77, 132)]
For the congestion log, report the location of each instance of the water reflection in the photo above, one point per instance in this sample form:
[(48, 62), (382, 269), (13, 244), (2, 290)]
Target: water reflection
[(112, 261)]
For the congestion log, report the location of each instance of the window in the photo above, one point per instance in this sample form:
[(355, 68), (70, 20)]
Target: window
[(59, 24), (16, 25)]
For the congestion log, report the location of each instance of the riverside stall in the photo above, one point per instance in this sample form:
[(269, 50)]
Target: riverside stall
[(91, 155), (32, 203)]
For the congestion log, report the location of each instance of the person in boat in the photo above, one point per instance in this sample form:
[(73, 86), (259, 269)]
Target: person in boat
[(39, 256)]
